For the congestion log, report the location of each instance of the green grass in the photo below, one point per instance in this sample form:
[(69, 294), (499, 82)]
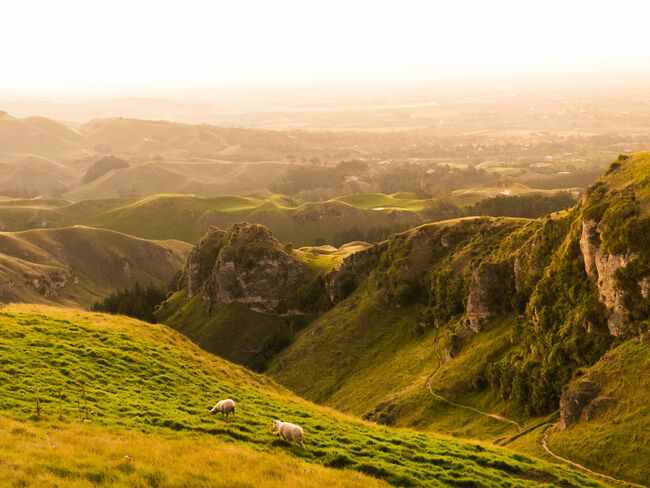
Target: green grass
[(326, 258), (147, 378), (232, 331), (625, 427), (381, 201), (75, 454), (80, 265), (360, 355), (188, 217)]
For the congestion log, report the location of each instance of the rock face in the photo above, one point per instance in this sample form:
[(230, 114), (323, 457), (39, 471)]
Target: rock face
[(202, 259), (597, 406), (602, 267), (245, 264), (490, 291), (343, 280), (574, 400)]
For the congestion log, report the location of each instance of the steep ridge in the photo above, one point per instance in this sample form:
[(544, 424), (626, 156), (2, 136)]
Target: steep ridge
[(147, 383), (80, 265), (519, 307)]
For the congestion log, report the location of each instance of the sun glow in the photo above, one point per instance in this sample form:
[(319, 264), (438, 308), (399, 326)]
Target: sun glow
[(149, 45)]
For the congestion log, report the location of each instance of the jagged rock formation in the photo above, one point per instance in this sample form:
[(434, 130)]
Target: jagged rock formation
[(602, 266), (245, 264), (490, 291)]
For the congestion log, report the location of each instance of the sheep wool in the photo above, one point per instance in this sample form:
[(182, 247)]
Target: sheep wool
[(225, 407), (289, 432)]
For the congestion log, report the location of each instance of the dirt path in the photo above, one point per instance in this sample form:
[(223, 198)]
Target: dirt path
[(580, 466), (441, 398), (503, 419)]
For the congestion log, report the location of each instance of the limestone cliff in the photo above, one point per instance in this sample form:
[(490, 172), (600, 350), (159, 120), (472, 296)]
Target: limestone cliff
[(490, 291), (602, 266)]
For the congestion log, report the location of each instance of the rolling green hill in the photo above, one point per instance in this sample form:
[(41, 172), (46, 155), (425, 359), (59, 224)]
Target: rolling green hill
[(80, 265), (188, 217), (145, 391)]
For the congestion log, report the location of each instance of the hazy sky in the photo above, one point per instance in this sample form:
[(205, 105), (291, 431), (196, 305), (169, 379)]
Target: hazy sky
[(141, 47)]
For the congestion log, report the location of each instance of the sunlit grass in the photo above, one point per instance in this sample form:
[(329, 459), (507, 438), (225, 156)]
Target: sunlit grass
[(150, 379)]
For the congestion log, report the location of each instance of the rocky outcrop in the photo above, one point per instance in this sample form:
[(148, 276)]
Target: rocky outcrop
[(245, 264), (490, 291), (574, 400), (602, 267), (343, 280), (201, 260), (598, 406), (383, 414)]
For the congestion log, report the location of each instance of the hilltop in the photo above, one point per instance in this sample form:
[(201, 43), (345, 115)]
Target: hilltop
[(188, 217), (80, 265), (148, 390)]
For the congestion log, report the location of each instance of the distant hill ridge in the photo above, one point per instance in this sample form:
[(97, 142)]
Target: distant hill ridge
[(80, 265)]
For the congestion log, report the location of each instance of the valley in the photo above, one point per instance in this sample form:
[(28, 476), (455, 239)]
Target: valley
[(428, 322), (324, 244)]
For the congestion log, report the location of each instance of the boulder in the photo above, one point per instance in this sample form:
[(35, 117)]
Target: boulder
[(597, 406), (574, 400)]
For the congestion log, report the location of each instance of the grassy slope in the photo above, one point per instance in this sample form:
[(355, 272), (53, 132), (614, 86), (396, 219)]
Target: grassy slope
[(78, 265), (188, 217), (374, 356), (150, 379), (50, 453), (603, 443), (624, 374), (232, 331)]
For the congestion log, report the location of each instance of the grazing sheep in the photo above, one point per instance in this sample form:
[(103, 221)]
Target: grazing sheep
[(224, 407), (289, 432)]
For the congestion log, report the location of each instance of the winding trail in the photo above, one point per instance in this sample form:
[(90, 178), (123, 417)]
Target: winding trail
[(580, 466), (467, 407), (519, 429)]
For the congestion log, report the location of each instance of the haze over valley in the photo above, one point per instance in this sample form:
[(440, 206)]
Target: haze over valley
[(409, 240)]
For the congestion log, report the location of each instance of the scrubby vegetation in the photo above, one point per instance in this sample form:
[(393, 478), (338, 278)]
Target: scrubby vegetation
[(138, 302), (102, 166), (528, 206)]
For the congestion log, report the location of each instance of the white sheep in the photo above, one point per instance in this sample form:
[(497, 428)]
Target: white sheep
[(289, 432), (224, 407)]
